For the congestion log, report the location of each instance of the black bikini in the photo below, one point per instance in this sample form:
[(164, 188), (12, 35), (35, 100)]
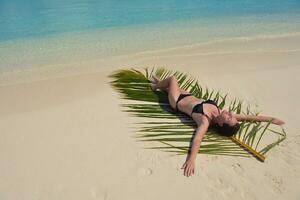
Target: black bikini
[(181, 96), (198, 108)]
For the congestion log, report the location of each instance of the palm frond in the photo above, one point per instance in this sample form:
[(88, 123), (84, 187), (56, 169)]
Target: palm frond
[(173, 131)]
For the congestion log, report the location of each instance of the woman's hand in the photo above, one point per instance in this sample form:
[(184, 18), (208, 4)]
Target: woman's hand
[(189, 167), (277, 121)]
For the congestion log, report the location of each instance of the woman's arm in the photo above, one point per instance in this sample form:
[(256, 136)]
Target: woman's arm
[(189, 165), (257, 118)]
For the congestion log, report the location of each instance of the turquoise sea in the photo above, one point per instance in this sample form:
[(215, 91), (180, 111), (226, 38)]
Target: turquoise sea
[(35, 33)]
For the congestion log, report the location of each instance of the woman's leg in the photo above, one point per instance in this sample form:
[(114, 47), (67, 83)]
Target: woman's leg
[(170, 85)]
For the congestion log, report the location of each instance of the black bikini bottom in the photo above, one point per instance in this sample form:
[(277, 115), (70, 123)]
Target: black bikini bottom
[(181, 96)]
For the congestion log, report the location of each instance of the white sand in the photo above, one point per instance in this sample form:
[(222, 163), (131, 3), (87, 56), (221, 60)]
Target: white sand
[(65, 137)]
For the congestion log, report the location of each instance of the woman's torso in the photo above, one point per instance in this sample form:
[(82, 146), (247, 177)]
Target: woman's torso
[(187, 104)]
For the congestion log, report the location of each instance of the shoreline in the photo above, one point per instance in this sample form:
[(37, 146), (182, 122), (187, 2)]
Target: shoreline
[(271, 44)]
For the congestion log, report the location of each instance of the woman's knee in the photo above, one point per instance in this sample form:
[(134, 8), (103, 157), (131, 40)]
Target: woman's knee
[(173, 81), (173, 78)]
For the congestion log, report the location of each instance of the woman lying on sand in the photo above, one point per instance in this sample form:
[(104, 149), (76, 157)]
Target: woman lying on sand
[(205, 114)]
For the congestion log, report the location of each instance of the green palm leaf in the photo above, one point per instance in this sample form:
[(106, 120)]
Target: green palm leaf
[(172, 131)]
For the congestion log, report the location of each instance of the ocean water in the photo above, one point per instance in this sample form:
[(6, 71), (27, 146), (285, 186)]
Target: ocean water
[(36, 33)]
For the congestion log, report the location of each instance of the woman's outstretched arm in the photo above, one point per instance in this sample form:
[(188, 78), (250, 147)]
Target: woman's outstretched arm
[(189, 165), (258, 118)]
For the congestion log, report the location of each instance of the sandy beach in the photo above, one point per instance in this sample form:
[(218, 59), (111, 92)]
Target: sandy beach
[(64, 135)]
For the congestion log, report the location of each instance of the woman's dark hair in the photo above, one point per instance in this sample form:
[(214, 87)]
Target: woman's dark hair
[(227, 130)]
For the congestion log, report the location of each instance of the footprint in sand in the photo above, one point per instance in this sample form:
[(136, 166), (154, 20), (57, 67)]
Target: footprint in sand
[(277, 182), (219, 181), (96, 194), (226, 187), (238, 168), (144, 172)]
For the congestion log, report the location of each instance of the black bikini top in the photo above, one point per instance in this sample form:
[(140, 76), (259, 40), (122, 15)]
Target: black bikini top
[(198, 108)]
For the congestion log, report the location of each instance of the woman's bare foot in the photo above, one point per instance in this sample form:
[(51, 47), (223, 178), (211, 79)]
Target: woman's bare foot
[(153, 86), (153, 83)]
